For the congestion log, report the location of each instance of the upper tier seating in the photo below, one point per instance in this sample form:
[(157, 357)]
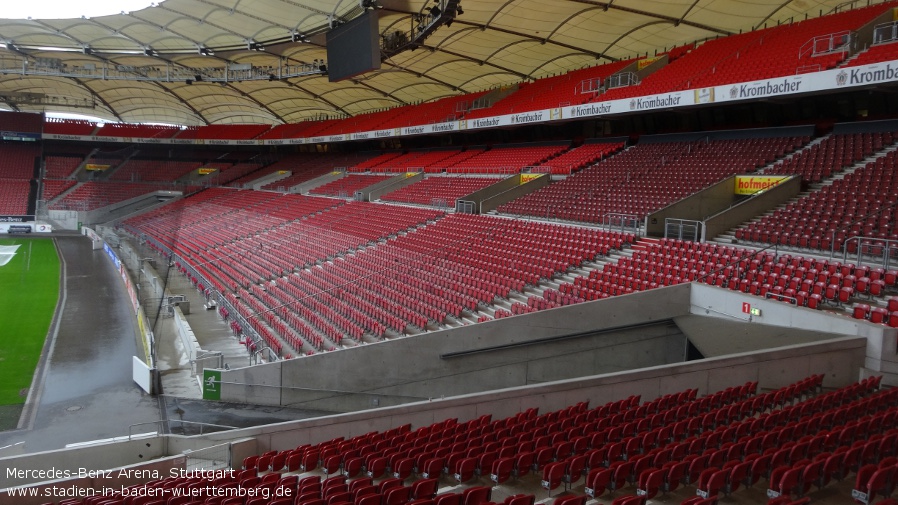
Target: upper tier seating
[(439, 111), (550, 92), (141, 131), (363, 122), (297, 130), (875, 53), (59, 126), (224, 131), (648, 176), (21, 122), (750, 56)]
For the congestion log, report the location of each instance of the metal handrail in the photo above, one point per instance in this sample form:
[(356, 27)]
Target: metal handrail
[(771, 294), (161, 422), (888, 246)]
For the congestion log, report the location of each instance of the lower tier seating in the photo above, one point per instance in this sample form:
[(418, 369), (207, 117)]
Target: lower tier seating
[(793, 444)]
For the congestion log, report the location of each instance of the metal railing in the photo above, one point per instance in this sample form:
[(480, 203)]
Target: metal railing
[(683, 229), (164, 426), (885, 32), (836, 42), (215, 457), (621, 80), (626, 223), (870, 251)]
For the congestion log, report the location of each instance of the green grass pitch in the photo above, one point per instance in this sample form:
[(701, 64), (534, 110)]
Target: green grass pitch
[(29, 289)]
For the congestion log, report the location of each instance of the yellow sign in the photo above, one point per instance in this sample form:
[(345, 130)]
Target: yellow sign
[(525, 178), (704, 95), (751, 184), (206, 171), (641, 64), (95, 167)]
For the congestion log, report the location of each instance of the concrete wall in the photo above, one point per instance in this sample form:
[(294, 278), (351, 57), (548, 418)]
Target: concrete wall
[(420, 367), (393, 184), (64, 219), (754, 206), (649, 69), (93, 457), (100, 483), (307, 186), (268, 179), (185, 334), (489, 198), (864, 34), (12, 450), (838, 359), (760, 133), (126, 207), (880, 352), (696, 207)]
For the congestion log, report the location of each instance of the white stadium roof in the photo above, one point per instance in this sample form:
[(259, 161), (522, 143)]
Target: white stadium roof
[(494, 42)]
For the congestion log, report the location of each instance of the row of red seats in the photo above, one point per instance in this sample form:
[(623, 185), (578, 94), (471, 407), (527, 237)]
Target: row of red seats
[(438, 189), (93, 195), (832, 155), (14, 196), (648, 176), (61, 167), (377, 463), (346, 187), (140, 131), (136, 170), (52, 188), (551, 92), (858, 205), (379, 288), (798, 432)]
